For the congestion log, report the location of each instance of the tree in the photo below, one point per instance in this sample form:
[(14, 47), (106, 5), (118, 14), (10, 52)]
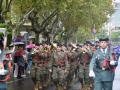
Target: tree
[(74, 15), (115, 35), (94, 13), (5, 6)]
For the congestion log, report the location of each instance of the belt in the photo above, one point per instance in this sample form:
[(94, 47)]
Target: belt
[(103, 69)]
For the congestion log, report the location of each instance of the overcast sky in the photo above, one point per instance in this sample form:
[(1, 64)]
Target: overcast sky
[(115, 18), (116, 0)]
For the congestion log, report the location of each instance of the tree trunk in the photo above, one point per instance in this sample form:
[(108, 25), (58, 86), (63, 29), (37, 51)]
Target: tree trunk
[(66, 41), (37, 37), (1, 18), (48, 39)]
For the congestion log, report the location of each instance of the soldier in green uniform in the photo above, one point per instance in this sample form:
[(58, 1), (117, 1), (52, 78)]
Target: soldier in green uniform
[(84, 62), (58, 66), (72, 56), (102, 66), (42, 71)]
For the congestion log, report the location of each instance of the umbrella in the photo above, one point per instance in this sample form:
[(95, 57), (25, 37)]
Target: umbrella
[(18, 43), (18, 39), (30, 46)]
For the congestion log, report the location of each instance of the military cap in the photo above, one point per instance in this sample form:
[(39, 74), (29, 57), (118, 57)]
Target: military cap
[(79, 45), (105, 39), (59, 44), (97, 41), (69, 45), (88, 42)]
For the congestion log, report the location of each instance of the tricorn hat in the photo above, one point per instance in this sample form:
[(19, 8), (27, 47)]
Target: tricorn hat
[(104, 39)]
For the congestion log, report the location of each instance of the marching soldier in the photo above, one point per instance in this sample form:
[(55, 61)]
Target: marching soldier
[(73, 60), (42, 73), (102, 66), (58, 66), (85, 57)]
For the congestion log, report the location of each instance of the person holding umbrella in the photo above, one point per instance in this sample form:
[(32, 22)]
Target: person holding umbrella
[(19, 58)]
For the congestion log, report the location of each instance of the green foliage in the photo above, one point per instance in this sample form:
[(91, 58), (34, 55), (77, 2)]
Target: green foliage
[(83, 34), (115, 35), (9, 36), (9, 31), (3, 25), (77, 16)]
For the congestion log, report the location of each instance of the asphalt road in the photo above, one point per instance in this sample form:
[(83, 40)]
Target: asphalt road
[(116, 83), (21, 84), (27, 84)]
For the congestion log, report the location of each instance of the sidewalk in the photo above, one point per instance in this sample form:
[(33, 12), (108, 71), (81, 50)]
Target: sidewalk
[(116, 83)]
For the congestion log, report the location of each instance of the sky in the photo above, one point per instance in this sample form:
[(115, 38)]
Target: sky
[(115, 18), (116, 0)]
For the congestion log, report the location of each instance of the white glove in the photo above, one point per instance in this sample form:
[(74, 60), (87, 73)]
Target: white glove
[(112, 62), (66, 71), (91, 74), (50, 70)]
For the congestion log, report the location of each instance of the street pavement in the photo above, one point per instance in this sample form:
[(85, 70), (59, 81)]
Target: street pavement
[(21, 84), (116, 83), (75, 85), (27, 84)]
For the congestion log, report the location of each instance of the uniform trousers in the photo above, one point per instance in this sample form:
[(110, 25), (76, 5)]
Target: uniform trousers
[(103, 85)]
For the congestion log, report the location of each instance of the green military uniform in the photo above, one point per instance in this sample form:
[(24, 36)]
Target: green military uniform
[(84, 61), (42, 65), (103, 76), (73, 56), (42, 71), (59, 65)]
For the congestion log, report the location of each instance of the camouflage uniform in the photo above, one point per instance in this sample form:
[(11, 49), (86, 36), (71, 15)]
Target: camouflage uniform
[(59, 66), (73, 60), (84, 61), (41, 61)]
